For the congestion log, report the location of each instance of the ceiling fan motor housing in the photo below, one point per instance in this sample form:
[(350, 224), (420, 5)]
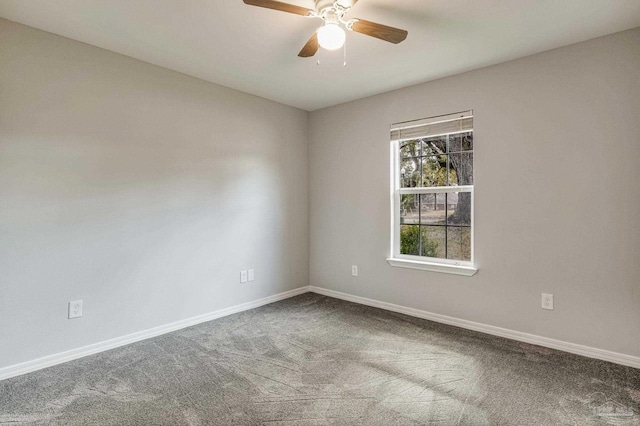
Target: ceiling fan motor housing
[(323, 4)]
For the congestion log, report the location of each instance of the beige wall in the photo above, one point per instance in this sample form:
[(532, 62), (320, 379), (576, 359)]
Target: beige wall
[(142, 191), (557, 164)]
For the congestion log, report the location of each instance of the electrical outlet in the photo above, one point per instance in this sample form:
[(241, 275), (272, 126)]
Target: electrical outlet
[(243, 276), (75, 309), (251, 276), (354, 270), (547, 301)]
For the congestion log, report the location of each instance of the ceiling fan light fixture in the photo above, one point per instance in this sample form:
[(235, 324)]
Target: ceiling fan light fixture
[(331, 36)]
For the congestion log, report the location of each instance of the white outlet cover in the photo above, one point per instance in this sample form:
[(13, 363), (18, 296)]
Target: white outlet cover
[(251, 275), (75, 309), (354, 270), (243, 276), (547, 301)]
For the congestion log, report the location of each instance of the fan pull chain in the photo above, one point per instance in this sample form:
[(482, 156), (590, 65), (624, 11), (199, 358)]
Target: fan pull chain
[(344, 54)]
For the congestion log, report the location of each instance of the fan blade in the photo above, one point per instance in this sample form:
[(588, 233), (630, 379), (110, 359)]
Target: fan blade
[(390, 34), (277, 5), (347, 3), (311, 47)]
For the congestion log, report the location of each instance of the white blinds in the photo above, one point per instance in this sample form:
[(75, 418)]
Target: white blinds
[(434, 126)]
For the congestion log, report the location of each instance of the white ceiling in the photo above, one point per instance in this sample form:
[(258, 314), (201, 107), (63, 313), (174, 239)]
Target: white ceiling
[(255, 50)]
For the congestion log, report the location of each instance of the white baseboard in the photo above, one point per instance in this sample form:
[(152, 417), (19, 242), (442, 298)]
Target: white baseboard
[(59, 358), (601, 354), (55, 359)]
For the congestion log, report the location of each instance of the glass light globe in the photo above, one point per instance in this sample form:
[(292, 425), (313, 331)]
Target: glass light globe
[(331, 36)]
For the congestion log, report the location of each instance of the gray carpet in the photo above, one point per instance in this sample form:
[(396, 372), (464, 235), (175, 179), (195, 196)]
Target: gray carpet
[(314, 360)]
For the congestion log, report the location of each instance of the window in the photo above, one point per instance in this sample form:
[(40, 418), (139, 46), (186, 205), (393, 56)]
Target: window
[(432, 194)]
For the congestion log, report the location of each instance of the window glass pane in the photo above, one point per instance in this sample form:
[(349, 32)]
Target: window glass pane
[(433, 243), (461, 142), (411, 148), (461, 168), (432, 209), (409, 172), (452, 175), (459, 208), (409, 209), (459, 243), (434, 146), (410, 239), (434, 171)]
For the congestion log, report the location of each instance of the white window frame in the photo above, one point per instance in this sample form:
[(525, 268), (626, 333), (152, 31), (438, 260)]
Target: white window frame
[(459, 267)]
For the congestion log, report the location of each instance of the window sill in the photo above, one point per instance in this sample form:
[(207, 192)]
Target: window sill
[(433, 267)]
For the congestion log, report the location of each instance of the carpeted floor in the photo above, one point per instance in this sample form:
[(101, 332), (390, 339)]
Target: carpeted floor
[(314, 360)]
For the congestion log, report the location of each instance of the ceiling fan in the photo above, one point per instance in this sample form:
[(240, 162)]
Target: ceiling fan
[(330, 34)]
